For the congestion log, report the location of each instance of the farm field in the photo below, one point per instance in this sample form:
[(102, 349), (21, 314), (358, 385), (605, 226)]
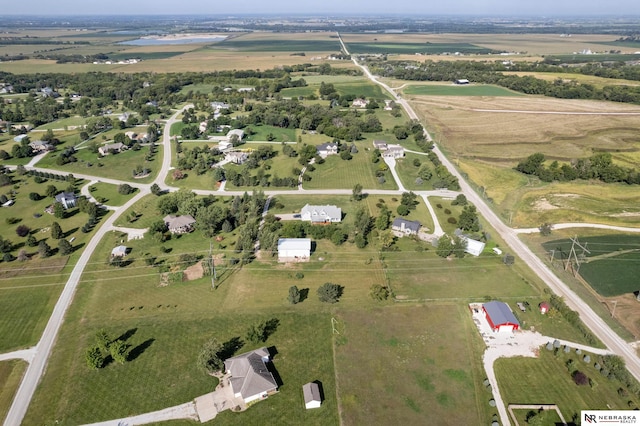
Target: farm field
[(433, 376), (466, 129), (424, 48), (611, 264), (458, 90), (570, 397), (580, 78)]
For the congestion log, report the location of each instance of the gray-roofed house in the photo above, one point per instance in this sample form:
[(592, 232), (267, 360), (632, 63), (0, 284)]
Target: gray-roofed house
[(326, 149), (120, 251), (406, 227), (112, 147), (235, 132), (321, 214), (312, 397), (40, 146), (250, 378), (179, 224), (236, 157), (499, 316), (380, 145), (473, 247), (67, 199)]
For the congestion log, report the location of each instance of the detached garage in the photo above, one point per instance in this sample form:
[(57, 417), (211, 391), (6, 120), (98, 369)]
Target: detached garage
[(294, 249), (499, 316)]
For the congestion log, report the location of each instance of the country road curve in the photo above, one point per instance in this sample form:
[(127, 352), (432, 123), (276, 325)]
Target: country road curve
[(44, 347), (596, 324)]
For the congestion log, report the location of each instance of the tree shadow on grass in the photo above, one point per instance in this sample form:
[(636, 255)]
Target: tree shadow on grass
[(139, 350), (304, 294), (230, 347), (127, 334), (270, 327)]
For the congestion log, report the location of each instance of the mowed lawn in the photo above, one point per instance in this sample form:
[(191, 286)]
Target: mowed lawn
[(166, 327), (459, 90), (345, 174), (10, 375), (546, 380), (409, 365)]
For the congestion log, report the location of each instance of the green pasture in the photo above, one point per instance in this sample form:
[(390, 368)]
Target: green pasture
[(295, 92), (108, 194), (117, 166), (10, 375), (526, 381), (60, 124), (145, 56), (612, 261), (459, 90), (288, 45), (409, 48), (597, 57), (316, 79), (408, 172), (438, 377), (281, 134), (345, 174), (366, 90)]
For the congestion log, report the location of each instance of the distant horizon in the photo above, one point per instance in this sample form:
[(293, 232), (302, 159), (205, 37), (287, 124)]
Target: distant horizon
[(481, 8), (628, 16)]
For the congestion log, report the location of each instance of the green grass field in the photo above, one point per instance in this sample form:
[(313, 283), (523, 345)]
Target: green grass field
[(612, 263), (108, 194), (416, 374), (459, 90), (119, 166), (408, 48), (366, 90), (280, 134), (60, 124), (526, 381), (10, 375), (343, 174)]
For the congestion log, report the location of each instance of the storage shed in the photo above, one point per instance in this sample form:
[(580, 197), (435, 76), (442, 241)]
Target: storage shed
[(499, 316), (294, 249), (312, 397)]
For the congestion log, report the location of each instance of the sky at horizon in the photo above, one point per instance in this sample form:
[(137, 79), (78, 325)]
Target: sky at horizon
[(206, 7)]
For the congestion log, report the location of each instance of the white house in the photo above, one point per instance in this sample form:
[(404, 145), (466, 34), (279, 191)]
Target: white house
[(312, 397), (250, 378), (294, 249), (321, 214), (393, 151), (67, 199), (179, 224), (120, 251), (236, 157), (238, 132), (360, 103), (326, 149)]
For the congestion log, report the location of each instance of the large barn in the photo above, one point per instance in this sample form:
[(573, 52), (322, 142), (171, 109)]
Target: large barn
[(499, 316)]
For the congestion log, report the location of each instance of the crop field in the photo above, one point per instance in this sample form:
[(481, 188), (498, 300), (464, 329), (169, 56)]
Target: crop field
[(10, 375), (285, 45), (458, 90), (597, 57), (569, 397), (294, 92), (487, 144), (439, 377), (426, 48), (366, 89), (611, 265)]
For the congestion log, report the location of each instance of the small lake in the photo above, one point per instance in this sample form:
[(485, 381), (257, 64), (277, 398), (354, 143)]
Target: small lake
[(169, 41)]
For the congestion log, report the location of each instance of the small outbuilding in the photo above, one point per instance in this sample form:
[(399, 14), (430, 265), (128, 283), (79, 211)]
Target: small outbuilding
[(294, 249), (120, 251), (312, 397), (500, 317), (544, 307)]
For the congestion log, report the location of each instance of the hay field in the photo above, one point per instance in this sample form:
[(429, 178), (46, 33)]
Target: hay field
[(487, 145), (532, 44), (580, 78)]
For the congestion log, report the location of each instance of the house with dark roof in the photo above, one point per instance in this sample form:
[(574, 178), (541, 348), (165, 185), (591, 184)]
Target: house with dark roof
[(40, 146), (499, 316), (250, 378), (312, 396), (112, 147), (67, 199), (179, 224), (405, 227), (326, 149)]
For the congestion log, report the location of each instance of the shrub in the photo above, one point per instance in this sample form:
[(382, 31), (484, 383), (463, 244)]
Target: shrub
[(34, 196), (329, 292), (580, 378), (452, 220), (22, 230), (447, 211)]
